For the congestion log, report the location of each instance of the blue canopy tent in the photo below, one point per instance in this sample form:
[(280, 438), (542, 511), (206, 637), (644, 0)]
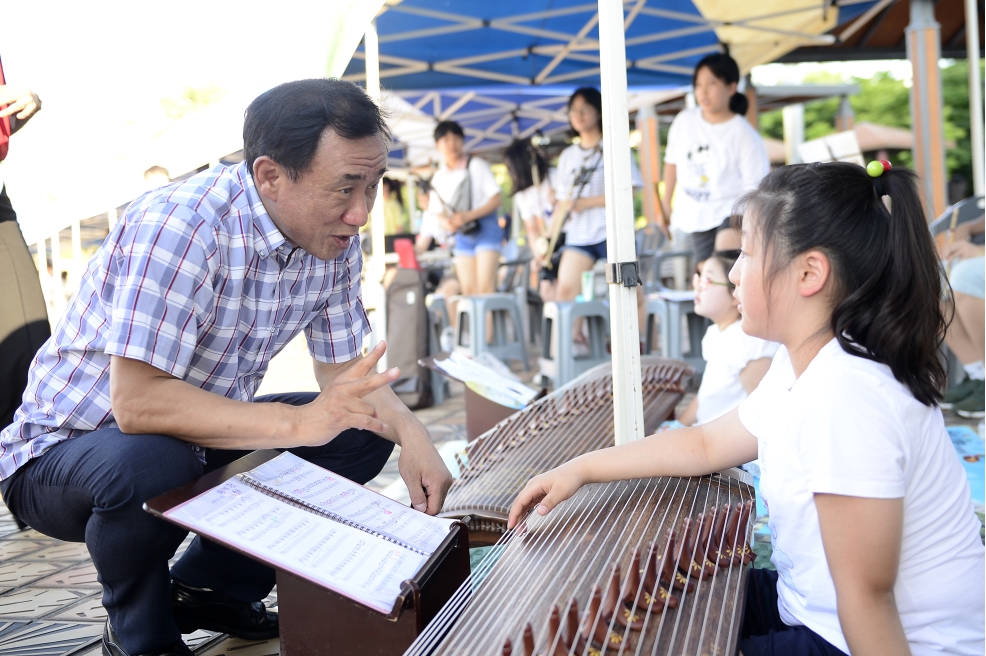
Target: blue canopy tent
[(471, 45)]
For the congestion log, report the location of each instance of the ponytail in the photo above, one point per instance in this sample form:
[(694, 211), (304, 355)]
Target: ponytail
[(738, 104), (888, 285)]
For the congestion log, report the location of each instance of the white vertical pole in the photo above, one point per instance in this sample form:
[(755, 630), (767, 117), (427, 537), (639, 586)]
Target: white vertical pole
[(77, 263), (371, 46), (975, 94), (620, 246), (793, 117), (111, 217)]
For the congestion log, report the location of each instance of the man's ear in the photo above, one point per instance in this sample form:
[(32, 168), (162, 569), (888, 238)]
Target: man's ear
[(815, 271), (268, 177)]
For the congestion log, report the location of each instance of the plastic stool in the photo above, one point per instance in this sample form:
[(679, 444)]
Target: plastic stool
[(472, 311), (557, 325), (669, 309), (438, 319)]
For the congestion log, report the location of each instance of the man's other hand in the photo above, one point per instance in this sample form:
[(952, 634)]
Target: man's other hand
[(424, 472), (20, 102), (341, 404)]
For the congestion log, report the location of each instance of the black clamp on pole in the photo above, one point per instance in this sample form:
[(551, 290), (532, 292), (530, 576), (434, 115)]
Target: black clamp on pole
[(622, 273)]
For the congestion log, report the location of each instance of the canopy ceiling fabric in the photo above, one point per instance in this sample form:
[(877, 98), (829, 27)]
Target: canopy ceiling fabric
[(441, 44)]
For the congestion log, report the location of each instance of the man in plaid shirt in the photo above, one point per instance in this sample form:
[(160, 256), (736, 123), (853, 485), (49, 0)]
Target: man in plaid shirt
[(149, 379)]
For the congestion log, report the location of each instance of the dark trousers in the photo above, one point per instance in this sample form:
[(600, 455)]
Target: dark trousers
[(765, 634), (91, 489)]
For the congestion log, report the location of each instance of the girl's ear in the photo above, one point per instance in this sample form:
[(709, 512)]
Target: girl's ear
[(814, 272)]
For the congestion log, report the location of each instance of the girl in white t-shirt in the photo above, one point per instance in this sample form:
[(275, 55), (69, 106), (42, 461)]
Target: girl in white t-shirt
[(580, 191), (734, 361), (874, 536), (713, 155), (534, 204)]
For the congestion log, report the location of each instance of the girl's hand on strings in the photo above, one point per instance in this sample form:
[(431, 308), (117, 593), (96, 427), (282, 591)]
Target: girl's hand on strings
[(546, 491)]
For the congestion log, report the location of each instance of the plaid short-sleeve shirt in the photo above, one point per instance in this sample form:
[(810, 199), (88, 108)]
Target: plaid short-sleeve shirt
[(195, 280)]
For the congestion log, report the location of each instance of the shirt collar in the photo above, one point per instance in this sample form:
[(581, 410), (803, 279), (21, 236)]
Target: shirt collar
[(267, 238)]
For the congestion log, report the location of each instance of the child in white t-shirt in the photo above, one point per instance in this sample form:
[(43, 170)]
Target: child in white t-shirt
[(874, 536), (734, 361), (713, 155)]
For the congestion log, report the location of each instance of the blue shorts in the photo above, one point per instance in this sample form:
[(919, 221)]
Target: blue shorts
[(595, 251), (765, 634), (489, 237), (969, 277)]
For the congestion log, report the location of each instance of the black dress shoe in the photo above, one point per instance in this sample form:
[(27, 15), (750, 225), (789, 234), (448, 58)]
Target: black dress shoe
[(112, 646), (199, 608)]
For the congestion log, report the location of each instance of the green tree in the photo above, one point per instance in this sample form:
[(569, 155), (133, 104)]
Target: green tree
[(884, 100)]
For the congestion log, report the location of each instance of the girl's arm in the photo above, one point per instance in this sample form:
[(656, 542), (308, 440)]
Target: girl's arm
[(753, 373), (862, 539), (670, 180), (704, 449), (688, 415)]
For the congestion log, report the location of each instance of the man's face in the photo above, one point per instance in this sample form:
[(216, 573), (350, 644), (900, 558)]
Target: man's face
[(323, 209)]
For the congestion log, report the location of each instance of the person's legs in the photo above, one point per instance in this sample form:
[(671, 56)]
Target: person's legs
[(765, 634), (574, 262), (356, 454), (966, 336), (487, 262), (91, 489), (465, 271)]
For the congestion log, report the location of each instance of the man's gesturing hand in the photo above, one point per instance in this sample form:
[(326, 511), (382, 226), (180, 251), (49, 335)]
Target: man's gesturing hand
[(341, 404)]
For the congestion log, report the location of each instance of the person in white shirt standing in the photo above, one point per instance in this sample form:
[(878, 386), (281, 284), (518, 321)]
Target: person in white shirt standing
[(714, 155), (534, 199), (464, 198), (581, 196), (873, 533)]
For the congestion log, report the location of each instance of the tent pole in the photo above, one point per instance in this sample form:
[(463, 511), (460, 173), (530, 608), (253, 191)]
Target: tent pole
[(923, 39), (620, 246), (794, 132), (372, 49), (975, 94)]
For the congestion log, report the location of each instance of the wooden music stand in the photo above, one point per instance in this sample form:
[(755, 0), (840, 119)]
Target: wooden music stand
[(482, 413), (317, 620)]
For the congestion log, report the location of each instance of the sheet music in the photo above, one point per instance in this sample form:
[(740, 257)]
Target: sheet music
[(361, 566), (469, 371), (297, 479)]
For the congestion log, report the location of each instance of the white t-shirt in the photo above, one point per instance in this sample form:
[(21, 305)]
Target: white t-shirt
[(726, 354), (448, 183), (536, 201), (589, 226), (847, 426), (715, 164)]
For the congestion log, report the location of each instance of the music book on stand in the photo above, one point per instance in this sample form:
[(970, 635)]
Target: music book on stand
[(325, 534)]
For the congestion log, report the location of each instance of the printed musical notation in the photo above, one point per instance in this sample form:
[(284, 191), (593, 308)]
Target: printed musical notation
[(362, 566), (310, 485)]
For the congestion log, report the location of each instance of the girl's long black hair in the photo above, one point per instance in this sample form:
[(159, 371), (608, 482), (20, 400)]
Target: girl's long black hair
[(518, 158), (888, 292)]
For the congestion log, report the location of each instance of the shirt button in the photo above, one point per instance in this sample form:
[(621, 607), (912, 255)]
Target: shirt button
[(263, 253)]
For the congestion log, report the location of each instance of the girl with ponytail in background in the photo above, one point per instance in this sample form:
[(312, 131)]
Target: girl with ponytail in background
[(714, 155), (875, 541)]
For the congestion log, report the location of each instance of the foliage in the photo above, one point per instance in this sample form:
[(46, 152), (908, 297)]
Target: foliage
[(191, 100), (885, 100)]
